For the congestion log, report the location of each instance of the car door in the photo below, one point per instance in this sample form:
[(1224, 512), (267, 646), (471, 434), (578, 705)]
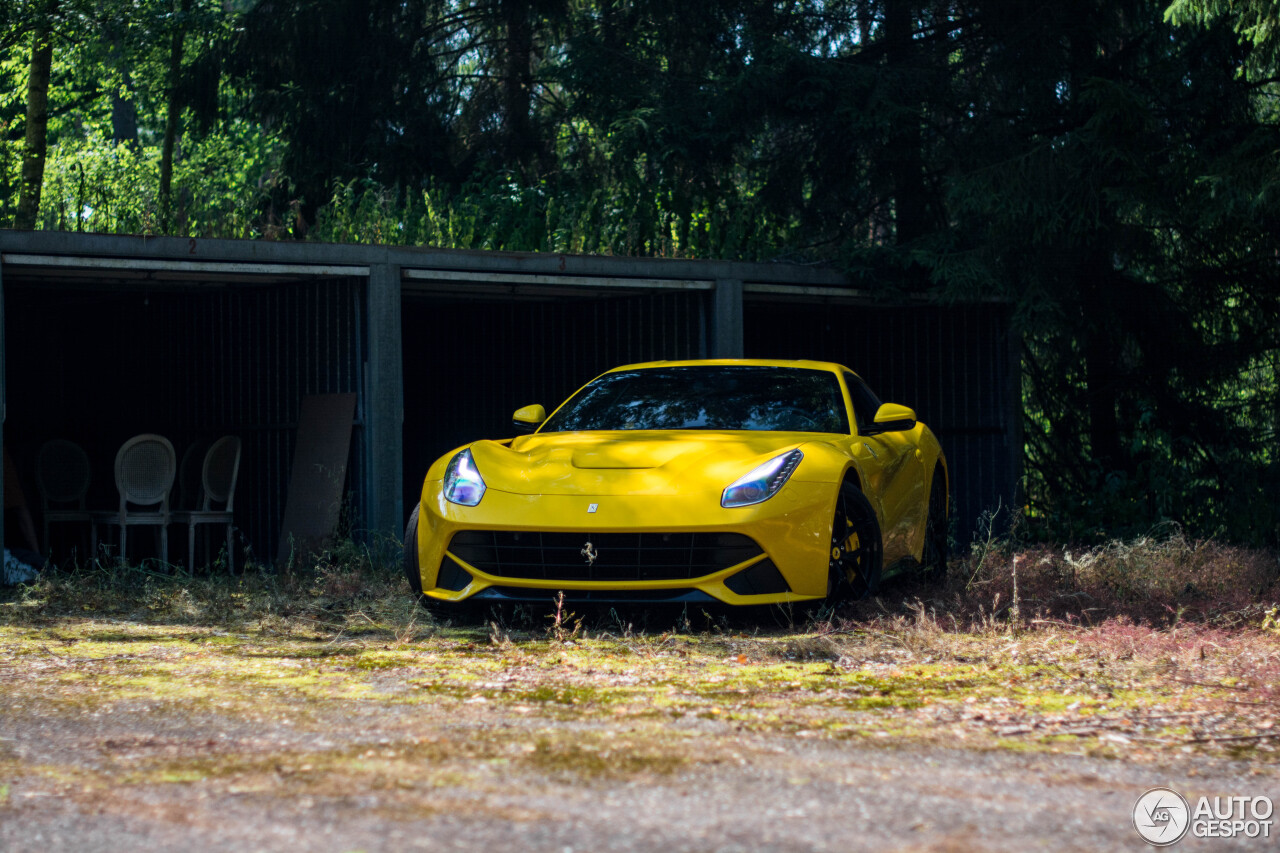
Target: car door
[(895, 481)]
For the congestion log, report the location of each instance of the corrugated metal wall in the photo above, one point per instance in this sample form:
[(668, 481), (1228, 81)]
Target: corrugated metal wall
[(98, 366), (470, 364), (270, 347), (952, 365), (99, 362)]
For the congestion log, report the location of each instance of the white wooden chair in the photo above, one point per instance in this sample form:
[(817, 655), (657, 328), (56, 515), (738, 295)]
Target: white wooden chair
[(189, 491), (221, 468), (62, 478), (145, 469)]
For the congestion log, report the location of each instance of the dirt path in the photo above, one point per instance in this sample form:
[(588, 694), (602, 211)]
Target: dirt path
[(118, 737), (750, 793)]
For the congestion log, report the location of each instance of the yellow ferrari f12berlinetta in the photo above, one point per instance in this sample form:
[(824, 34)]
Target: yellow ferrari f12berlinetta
[(741, 481)]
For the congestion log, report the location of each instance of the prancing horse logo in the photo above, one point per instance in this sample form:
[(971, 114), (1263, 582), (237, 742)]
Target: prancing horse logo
[(589, 551)]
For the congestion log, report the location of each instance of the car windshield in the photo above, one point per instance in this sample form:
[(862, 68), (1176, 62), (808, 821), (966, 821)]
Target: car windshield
[(709, 397)]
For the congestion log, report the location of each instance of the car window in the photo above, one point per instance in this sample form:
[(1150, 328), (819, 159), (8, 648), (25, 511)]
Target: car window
[(865, 402), (708, 397)]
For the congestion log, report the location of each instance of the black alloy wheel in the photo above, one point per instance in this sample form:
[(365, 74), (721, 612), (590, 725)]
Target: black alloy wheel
[(856, 548), (933, 563)]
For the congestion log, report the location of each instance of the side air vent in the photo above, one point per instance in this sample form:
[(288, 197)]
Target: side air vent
[(761, 579), (452, 576)]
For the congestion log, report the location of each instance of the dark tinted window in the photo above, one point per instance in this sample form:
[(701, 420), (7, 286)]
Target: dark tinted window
[(712, 397), (865, 403)]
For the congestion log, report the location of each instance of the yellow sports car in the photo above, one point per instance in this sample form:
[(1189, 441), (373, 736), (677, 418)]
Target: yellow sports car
[(733, 480)]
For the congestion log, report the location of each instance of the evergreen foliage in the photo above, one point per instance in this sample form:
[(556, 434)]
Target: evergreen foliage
[(1108, 168)]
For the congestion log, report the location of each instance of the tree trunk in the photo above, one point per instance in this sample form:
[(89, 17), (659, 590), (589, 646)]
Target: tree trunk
[(173, 116), (904, 157), (517, 82), (37, 138), (124, 112), (1101, 351)]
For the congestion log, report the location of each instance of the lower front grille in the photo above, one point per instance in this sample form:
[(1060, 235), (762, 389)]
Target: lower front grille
[(528, 595), (601, 556)]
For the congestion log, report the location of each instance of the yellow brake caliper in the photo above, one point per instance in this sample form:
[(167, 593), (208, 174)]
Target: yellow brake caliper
[(850, 544)]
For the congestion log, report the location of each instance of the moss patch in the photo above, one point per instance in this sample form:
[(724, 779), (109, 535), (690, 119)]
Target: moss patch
[(987, 692)]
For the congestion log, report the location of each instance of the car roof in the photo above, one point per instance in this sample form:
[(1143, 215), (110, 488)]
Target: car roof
[(747, 362)]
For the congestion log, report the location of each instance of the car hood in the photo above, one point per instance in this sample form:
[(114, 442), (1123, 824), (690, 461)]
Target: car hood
[(627, 462)]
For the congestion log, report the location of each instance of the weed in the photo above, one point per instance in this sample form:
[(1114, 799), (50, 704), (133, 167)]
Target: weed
[(565, 625), (987, 542), (1270, 620), (497, 636), (1015, 610)]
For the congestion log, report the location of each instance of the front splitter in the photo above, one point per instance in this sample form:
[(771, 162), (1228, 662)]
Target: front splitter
[(521, 595)]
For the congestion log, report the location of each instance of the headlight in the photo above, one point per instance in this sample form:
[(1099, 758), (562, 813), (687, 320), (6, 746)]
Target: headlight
[(462, 481), (762, 483)]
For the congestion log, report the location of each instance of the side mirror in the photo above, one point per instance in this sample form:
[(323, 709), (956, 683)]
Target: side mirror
[(892, 418), (529, 418)]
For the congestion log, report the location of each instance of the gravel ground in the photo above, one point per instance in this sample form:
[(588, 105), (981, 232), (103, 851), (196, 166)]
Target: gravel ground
[(117, 735), (740, 792)]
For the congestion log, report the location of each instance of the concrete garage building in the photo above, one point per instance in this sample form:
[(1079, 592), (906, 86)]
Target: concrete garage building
[(109, 336)]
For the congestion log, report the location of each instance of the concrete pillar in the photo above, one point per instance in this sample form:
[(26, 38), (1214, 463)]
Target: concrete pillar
[(384, 407), (726, 319)]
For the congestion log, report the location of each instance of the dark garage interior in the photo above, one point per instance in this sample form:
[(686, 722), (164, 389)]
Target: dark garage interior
[(97, 360)]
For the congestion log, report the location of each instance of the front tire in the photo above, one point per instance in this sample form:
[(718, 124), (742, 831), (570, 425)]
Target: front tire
[(409, 558), (857, 550)]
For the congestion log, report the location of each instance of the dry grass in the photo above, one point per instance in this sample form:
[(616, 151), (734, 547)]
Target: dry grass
[(344, 590), (1157, 581), (1167, 643)]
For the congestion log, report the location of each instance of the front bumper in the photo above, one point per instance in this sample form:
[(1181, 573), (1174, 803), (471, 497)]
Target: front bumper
[(791, 532)]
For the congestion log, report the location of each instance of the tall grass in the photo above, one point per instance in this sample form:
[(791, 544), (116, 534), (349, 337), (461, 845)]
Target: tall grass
[(222, 185), (1158, 581), (344, 589), (230, 184)]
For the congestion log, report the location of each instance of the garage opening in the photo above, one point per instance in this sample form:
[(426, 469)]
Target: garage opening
[(96, 355)]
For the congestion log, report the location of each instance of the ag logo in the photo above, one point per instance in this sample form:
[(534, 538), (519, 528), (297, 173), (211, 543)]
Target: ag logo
[(1161, 816)]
